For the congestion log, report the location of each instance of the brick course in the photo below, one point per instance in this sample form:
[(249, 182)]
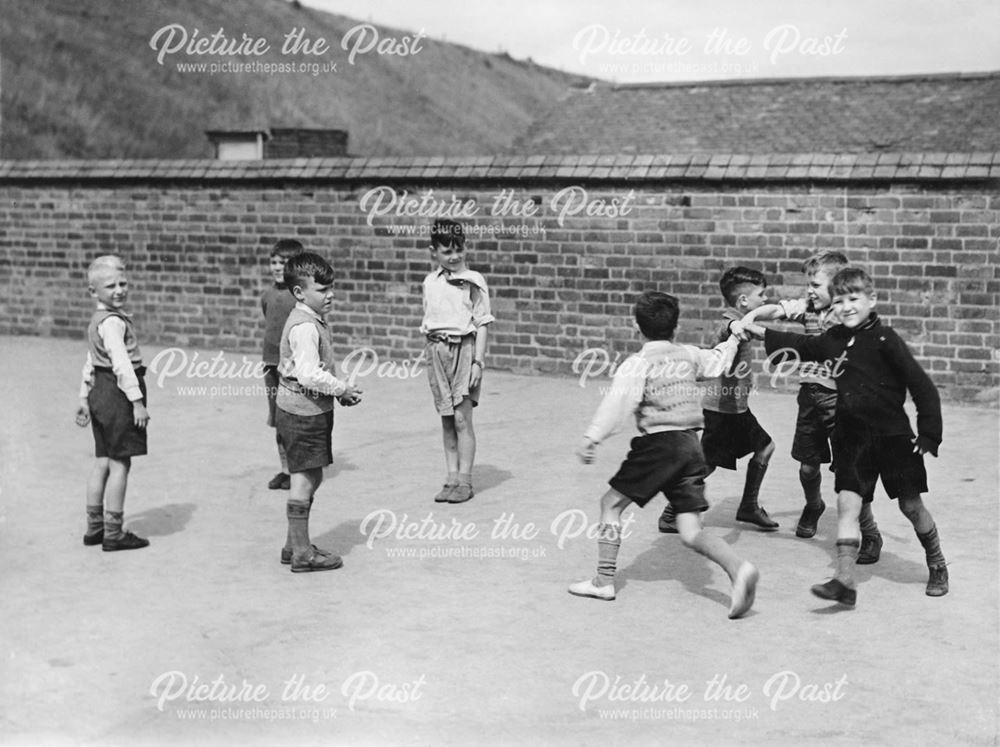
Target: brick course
[(196, 237)]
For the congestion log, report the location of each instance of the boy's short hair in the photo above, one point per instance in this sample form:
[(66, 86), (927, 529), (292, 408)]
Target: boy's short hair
[(656, 313), (447, 232), (287, 248), (307, 266), (828, 260), (735, 279), (852, 280), (102, 265)]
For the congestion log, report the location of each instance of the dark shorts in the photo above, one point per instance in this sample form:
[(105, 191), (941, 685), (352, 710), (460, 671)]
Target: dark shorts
[(730, 436), (271, 389), (308, 439), (814, 425), (863, 457), (670, 462), (111, 418)]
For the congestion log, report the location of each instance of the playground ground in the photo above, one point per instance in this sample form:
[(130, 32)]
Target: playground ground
[(450, 624)]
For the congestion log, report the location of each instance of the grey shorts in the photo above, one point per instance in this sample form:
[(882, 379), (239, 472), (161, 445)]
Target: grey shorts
[(449, 370)]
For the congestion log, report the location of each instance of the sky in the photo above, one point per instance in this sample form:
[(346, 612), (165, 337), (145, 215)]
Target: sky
[(635, 41)]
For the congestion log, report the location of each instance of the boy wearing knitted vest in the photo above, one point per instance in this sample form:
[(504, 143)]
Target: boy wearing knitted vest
[(113, 402), (304, 414), (658, 385)]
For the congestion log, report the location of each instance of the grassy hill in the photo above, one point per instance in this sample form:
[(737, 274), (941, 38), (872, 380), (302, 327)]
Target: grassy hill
[(80, 80)]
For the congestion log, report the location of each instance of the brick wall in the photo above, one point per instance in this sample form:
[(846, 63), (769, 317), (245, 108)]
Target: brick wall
[(196, 238)]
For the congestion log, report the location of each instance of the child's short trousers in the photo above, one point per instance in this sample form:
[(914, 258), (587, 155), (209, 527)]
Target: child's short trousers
[(669, 462), (271, 388), (449, 369), (862, 457), (308, 439), (730, 436), (814, 424), (111, 417)]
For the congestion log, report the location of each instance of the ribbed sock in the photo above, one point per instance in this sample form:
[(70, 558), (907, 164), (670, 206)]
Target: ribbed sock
[(298, 526), (867, 520), (812, 487), (95, 519), (932, 547), (452, 479), (464, 478), (609, 541), (113, 525), (847, 556), (751, 488)]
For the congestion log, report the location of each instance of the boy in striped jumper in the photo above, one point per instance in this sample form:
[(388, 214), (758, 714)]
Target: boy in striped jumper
[(658, 386)]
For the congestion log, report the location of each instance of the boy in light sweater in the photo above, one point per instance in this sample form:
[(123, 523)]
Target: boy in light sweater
[(658, 385)]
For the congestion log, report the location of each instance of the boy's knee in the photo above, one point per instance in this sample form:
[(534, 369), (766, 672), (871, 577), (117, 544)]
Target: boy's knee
[(911, 506), (808, 471), (463, 420), (764, 455)]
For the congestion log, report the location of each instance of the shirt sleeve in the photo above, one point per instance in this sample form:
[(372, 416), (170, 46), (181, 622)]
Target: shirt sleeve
[(308, 370), (794, 310), (481, 305), (112, 334), (713, 362), (925, 394), (789, 345), (621, 400), (87, 377)]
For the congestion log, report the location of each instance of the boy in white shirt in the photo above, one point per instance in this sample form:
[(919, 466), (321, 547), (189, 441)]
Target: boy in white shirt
[(113, 402), (304, 414), (456, 315)]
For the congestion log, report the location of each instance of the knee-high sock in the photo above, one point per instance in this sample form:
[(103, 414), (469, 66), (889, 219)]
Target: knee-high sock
[(751, 488), (867, 520), (298, 526), (113, 525), (609, 541), (847, 556), (812, 487), (932, 547)]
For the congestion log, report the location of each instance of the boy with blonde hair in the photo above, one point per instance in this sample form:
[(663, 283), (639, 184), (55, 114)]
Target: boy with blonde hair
[(113, 402)]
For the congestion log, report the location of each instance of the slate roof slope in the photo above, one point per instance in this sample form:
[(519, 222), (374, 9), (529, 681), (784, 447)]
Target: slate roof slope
[(934, 113)]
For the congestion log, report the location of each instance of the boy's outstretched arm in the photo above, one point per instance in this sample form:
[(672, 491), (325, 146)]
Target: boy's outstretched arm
[(621, 400), (785, 345)]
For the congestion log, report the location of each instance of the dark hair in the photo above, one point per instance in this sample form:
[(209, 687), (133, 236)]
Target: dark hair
[(827, 260), (851, 280), (735, 279), (287, 248), (447, 232), (656, 314), (307, 266)]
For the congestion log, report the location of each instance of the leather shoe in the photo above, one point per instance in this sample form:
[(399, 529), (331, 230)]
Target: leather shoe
[(756, 516), (808, 520), (871, 549), (836, 591)]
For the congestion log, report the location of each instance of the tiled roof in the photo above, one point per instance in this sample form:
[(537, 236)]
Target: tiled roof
[(808, 167), (953, 113)]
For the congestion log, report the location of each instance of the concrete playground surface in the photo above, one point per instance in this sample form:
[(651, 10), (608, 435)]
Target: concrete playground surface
[(450, 624)]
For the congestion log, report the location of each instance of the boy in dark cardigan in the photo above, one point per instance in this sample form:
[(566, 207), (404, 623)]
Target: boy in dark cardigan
[(872, 438)]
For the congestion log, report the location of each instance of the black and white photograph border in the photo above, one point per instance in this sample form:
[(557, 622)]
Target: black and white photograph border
[(591, 153)]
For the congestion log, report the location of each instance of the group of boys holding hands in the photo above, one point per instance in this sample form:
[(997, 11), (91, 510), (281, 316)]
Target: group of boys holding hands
[(859, 413)]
